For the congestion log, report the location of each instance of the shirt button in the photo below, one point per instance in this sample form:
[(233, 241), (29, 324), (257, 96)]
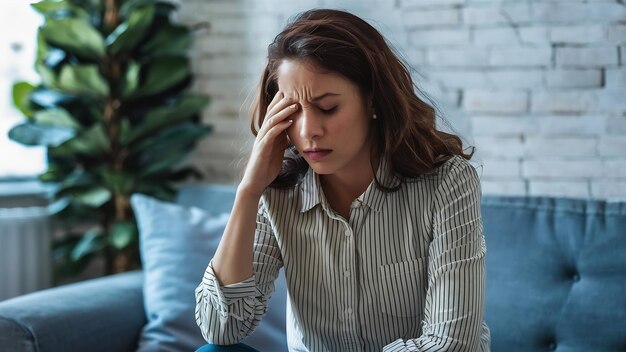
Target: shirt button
[(348, 233), (349, 311), (346, 273)]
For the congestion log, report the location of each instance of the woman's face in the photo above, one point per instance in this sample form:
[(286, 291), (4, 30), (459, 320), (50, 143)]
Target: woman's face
[(331, 129)]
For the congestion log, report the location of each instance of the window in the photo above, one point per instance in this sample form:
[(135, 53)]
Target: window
[(18, 33)]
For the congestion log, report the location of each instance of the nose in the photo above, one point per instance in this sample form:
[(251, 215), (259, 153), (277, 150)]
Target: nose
[(310, 125)]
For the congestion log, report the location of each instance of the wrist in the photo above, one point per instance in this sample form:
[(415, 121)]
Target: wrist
[(244, 192)]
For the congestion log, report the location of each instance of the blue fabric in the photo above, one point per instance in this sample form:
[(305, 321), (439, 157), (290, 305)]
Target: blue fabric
[(99, 315), (229, 348), (176, 244), (556, 273), (270, 335), (214, 199)]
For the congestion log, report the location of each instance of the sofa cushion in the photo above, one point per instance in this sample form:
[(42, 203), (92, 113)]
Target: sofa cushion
[(176, 242), (556, 273)]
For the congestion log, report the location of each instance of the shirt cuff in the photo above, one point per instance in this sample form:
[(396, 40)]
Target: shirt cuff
[(400, 346), (228, 294)]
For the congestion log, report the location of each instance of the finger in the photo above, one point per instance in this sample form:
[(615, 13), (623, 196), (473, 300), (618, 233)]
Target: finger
[(277, 97), (277, 130), (280, 105), (277, 118)]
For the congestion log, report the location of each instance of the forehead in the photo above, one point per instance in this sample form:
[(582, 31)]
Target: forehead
[(298, 77)]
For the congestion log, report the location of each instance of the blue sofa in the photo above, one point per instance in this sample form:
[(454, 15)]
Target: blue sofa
[(556, 280)]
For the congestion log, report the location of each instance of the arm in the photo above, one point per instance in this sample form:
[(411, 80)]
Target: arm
[(227, 308), (454, 308), (227, 313)]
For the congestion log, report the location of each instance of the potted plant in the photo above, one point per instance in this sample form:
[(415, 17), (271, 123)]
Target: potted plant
[(114, 111)]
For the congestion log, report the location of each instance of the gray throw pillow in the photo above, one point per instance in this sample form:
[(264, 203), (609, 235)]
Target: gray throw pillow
[(176, 244)]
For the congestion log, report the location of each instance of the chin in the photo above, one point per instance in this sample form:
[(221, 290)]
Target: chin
[(322, 169)]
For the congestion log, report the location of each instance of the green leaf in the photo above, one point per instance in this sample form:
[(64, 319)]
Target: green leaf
[(83, 79), (52, 7), (21, 97), (163, 164), (33, 134), (131, 79), (63, 265), (174, 138), (57, 171), (44, 7), (78, 212), (74, 35), (50, 175), (168, 149), (92, 241), (122, 234), (59, 205), (130, 32), (168, 40), (56, 117), (163, 74), (54, 58), (63, 247), (42, 46), (48, 78), (47, 98), (77, 179), (119, 182), (92, 142), (183, 109), (131, 5), (125, 130), (93, 197)]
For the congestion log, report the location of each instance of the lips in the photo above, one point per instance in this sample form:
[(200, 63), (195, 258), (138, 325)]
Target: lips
[(317, 154)]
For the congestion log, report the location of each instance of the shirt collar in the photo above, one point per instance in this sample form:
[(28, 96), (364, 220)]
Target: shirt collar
[(311, 193)]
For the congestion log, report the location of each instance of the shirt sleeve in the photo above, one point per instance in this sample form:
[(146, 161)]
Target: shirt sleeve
[(454, 306), (227, 314)]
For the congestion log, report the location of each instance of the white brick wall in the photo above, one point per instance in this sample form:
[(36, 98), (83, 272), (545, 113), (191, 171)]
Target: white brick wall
[(457, 57), (521, 56), (564, 78), (587, 57), (502, 102), (577, 34), (539, 87)]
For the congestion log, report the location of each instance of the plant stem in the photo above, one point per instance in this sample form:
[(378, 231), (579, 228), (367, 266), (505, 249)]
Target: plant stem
[(113, 67)]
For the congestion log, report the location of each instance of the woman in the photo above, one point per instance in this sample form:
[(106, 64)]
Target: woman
[(372, 212)]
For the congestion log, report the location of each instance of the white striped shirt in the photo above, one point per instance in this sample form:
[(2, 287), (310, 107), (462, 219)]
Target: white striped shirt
[(406, 271)]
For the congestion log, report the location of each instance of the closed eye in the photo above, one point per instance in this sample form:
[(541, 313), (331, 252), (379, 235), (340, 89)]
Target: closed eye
[(329, 111)]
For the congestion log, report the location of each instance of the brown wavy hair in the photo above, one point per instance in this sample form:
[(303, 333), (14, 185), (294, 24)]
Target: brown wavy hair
[(334, 40)]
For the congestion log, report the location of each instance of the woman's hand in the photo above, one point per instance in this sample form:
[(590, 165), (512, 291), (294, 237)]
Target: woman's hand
[(269, 147)]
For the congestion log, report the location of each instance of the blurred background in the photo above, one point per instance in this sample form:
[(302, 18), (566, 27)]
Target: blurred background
[(538, 87)]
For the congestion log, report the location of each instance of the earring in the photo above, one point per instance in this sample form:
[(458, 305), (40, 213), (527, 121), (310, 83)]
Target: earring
[(374, 116)]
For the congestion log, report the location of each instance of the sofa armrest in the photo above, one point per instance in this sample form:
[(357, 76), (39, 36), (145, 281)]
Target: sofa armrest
[(104, 314)]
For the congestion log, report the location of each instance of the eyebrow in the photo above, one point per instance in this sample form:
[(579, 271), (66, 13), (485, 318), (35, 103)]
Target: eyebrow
[(323, 96)]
